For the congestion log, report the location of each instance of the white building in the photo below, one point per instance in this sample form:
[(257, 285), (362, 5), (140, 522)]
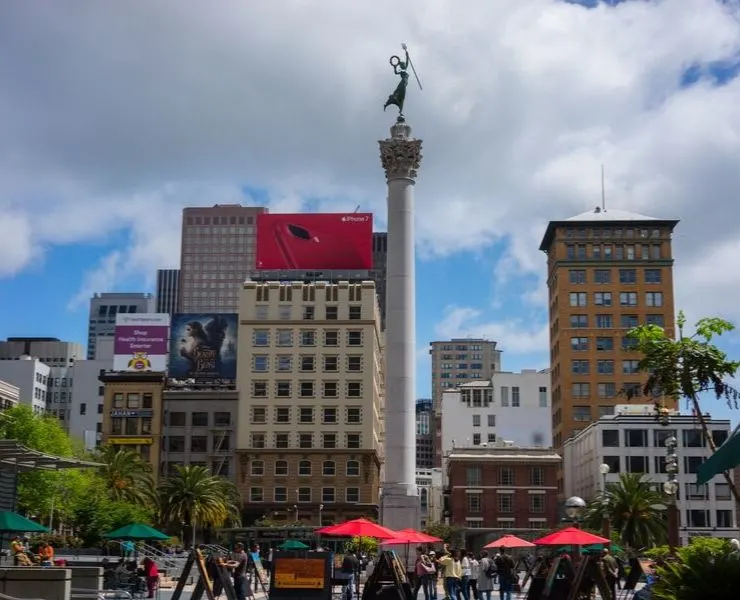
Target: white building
[(102, 320), (86, 410), (60, 357), (431, 493), (511, 406), (632, 441), (10, 395), (31, 377)]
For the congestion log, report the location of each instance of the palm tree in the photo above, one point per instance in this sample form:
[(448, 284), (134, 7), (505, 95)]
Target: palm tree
[(127, 476), (634, 509), (192, 495)]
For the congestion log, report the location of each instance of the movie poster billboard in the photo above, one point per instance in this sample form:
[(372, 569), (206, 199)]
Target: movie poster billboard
[(314, 241), (203, 346), (141, 342)]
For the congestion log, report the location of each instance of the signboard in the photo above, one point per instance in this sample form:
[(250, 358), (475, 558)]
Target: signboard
[(141, 342), (130, 441), (123, 413), (203, 346), (299, 573), (311, 241)]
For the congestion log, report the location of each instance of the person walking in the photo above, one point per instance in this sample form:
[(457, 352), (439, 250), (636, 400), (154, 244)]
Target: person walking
[(486, 575), (424, 570), (506, 569), (452, 573), (474, 573), (239, 562), (466, 573), (611, 571)]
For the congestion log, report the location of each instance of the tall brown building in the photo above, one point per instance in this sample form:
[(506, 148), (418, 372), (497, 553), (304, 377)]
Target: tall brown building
[(216, 256), (607, 271)]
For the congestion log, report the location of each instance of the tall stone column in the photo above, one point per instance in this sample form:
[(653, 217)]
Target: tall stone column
[(401, 157)]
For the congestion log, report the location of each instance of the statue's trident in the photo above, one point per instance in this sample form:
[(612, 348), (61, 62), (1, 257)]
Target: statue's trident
[(413, 70)]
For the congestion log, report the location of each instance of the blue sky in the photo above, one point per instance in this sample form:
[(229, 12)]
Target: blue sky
[(109, 132), (48, 286)]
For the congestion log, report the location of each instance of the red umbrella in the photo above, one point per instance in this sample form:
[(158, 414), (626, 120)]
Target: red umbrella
[(571, 536), (411, 536), (510, 541), (358, 528)]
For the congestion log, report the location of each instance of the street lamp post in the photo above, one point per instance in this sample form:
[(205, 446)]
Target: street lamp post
[(574, 508), (670, 487), (605, 522), (321, 509)]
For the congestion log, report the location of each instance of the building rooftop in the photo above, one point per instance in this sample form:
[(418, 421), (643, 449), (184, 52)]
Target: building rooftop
[(601, 216), (504, 452)]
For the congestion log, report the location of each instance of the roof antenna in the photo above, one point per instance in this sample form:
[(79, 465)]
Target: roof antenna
[(357, 208), (603, 191)]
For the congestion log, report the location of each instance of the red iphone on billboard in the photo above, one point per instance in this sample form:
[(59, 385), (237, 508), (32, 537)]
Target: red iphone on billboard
[(314, 241)]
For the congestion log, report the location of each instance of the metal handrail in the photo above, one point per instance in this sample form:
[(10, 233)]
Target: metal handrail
[(80, 594), (6, 597)]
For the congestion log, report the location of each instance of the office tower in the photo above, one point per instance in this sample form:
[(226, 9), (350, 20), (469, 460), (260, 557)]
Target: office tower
[(455, 362), (311, 401), (102, 323), (217, 256), (424, 434), (168, 290), (380, 267), (607, 271)]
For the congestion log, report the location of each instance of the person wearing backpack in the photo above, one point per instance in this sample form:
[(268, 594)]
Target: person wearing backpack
[(506, 574), (486, 575)]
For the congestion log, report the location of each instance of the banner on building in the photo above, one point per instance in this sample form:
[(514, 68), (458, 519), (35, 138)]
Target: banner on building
[(203, 346), (311, 241), (141, 342)]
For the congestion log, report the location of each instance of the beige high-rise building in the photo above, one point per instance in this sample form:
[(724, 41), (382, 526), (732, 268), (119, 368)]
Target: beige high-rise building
[(311, 401), (217, 255), (454, 362)]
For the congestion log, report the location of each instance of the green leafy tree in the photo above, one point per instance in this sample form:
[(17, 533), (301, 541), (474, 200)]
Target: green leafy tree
[(632, 507), (194, 496), (37, 490), (447, 533), (687, 367), (704, 569), (127, 476)]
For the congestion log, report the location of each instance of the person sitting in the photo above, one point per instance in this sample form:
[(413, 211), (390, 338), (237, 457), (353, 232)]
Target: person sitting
[(46, 554), (18, 551)]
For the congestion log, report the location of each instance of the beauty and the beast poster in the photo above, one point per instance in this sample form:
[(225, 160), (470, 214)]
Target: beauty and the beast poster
[(203, 346)]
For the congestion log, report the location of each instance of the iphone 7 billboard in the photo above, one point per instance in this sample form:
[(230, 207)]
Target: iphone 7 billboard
[(317, 241)]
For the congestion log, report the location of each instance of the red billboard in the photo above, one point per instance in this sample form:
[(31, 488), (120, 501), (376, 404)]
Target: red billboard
[(314, 241)]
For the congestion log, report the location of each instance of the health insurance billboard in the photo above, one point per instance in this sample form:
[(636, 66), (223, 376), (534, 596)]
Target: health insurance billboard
[(314, 241), (141, 342), (203, 346)]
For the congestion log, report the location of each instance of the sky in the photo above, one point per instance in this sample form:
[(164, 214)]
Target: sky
[(115, 116)]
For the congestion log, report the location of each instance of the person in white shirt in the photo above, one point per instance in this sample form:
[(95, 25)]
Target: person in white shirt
[(466, 574), (474, 574)]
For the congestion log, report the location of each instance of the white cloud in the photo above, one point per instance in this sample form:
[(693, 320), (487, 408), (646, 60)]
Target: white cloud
[(514, 336), (108, 128)]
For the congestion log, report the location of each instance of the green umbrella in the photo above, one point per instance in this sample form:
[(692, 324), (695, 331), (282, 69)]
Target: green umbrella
[(293, 545), (13, 522), (136, 531)]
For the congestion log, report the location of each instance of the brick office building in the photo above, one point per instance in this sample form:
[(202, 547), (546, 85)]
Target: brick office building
[(502, 489)]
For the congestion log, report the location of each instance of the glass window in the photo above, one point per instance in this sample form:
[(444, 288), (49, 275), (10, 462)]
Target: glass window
[(635, 438), (199, 419), (610, 438), (177, 419)]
